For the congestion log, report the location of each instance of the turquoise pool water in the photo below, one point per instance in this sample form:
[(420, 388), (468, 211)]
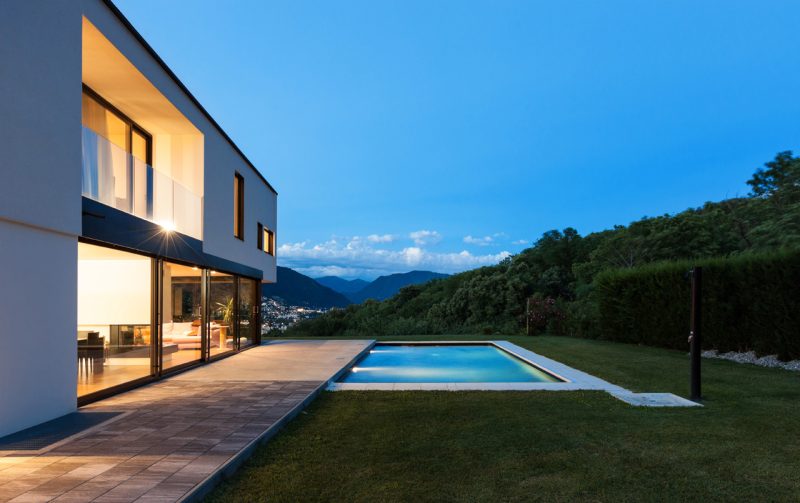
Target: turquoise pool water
[(445, 363)]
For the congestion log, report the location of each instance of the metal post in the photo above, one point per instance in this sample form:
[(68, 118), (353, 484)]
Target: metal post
[(695, 334), (528, 316)]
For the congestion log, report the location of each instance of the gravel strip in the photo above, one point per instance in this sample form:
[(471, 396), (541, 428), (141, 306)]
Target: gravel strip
[(770, 361)]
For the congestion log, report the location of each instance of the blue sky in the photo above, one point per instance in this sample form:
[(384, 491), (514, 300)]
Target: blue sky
[(444, 135)]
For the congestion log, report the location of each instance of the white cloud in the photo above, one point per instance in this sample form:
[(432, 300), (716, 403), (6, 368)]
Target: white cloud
[(484, 241), (425, 237), (358, 258), (521, 242), (380, 238)]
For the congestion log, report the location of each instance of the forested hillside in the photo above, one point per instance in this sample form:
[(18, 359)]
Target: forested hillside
[(558, 273)]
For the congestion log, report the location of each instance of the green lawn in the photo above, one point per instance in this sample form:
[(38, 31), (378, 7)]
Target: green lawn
[(744, 445)]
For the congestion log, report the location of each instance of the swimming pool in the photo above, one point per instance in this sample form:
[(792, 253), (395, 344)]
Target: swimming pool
[(443, 363)]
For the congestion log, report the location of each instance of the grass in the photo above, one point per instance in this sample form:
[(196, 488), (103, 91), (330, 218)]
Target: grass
[(543, 446)]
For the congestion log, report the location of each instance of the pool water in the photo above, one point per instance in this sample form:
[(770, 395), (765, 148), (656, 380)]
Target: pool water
[(390, 363)]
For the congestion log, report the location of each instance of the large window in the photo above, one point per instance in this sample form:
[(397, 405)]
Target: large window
[(203, 313), (182, 315), (222, 312), (248, 312), (238, 206), (114, 317)]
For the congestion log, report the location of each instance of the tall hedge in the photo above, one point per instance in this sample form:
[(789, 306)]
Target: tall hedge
[(750, 302)]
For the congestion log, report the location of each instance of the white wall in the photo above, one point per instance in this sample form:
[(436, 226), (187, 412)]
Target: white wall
[(40, 113), (260, 206), (38, 369), (40, 209)]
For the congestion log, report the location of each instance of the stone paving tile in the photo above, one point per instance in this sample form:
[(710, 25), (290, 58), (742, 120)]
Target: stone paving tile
[(176, 435)]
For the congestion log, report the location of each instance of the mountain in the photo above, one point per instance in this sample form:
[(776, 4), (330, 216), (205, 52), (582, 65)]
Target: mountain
[(343, 286), (387, 286), (299, 290)]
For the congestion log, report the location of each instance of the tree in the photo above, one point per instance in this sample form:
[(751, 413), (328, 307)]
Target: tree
[(779, 177)]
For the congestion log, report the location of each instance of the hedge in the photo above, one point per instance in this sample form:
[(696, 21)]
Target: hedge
[(750, 303)]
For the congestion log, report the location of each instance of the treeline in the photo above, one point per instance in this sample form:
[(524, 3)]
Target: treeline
[(552, 286)]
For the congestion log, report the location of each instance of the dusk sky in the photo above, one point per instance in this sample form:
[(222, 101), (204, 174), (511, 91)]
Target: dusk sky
[(444, 135)]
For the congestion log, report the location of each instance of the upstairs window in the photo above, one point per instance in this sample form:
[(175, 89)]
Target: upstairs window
[(266, 240), (238, 206)]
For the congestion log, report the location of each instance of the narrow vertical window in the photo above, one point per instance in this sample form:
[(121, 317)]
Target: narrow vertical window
[(260, 236), (269, 241), (238, 206)]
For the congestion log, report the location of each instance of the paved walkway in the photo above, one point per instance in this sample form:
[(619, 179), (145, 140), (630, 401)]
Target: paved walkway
[(178, 436)]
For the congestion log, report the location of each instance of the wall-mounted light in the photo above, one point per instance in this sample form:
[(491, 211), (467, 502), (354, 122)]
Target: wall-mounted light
[(167, 226)]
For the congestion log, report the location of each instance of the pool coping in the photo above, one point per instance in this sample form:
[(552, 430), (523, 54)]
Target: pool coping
[(573, 379)]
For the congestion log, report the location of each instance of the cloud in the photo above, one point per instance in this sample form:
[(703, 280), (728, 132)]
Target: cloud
[(424, 237), (521, 242), (377, 238), (358, 258), (484, 241)]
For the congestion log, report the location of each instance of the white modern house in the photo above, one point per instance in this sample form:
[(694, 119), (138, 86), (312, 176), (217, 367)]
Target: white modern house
[(134, 234)]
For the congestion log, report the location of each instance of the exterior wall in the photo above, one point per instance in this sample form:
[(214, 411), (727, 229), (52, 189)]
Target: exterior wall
[(40, 54), (260, 205), (40, 209), (220, 159), (38, 309)]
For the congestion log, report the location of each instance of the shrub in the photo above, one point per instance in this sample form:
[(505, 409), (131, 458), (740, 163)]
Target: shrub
[(750, 303)]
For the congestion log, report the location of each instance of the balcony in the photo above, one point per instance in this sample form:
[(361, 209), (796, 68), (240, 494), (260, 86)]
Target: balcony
[(113, 176)]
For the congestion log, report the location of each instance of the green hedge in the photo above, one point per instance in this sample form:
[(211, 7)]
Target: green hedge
[(750, 302)]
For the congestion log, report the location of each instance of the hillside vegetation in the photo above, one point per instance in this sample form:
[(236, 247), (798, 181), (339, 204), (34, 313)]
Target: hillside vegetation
[(555, 281)]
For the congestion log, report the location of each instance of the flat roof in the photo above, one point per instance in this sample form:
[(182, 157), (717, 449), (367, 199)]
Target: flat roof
[(181, 85)]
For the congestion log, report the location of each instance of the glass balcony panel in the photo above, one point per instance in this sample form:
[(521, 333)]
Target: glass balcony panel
[(187, 211), (98, 167), (114, 177), (142, 189)]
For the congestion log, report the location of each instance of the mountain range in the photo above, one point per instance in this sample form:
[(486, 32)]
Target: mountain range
[(387, 286), (293, 288)]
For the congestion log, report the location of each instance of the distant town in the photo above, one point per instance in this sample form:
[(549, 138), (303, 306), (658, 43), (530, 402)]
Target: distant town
[(278, 315)]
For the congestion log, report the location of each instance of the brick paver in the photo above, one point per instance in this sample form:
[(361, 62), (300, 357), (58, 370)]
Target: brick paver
[(173, 435)]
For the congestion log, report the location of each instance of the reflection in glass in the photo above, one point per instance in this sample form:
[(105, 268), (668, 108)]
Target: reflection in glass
[(114, 299), (247, 312), (222, 313), (181, 329)]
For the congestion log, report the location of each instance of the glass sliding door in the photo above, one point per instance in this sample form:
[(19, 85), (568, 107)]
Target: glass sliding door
[(248, 310), (182, 315), (115, 343), (222, 313)]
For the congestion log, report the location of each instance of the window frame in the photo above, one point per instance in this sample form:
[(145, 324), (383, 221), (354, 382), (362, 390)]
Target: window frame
[(238, 206)]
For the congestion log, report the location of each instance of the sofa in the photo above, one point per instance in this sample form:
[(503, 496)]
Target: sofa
[(187, 334)]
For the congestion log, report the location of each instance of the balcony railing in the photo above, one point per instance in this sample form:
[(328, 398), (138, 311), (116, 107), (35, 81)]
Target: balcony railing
[(112, 176)]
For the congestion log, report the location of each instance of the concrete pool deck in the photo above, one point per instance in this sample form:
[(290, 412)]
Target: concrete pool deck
[(178, 437), (573, 380)]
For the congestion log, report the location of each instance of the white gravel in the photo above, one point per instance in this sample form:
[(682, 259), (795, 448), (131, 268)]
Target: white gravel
[(750, 357)]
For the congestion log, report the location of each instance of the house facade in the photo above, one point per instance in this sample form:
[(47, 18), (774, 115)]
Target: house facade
[(134, 234)]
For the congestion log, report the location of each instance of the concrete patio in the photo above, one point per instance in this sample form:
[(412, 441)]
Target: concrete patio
[(176, 438)]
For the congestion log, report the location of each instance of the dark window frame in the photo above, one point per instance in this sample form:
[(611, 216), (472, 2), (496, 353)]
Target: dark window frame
[(238, 222), (132, 126), (267, 246)]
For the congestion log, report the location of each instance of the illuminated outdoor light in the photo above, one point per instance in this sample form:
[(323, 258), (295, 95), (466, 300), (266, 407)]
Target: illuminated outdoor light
[(167, 226)]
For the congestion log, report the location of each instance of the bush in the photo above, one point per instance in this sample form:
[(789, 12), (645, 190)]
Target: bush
[(750, 303)]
